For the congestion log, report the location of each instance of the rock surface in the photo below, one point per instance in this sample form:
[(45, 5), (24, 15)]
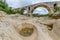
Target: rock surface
[(56, 15), (10, 26)]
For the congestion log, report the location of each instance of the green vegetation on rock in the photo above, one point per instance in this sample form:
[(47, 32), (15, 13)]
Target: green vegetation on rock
[(4, 7), (46, 15), (56, 8)]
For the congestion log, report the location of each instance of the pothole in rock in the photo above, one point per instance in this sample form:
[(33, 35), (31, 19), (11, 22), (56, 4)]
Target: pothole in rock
[(26, 31)]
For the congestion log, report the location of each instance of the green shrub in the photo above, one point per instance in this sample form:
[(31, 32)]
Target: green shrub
[(56, 8), (46, 15), (4, 7), (20, 12)]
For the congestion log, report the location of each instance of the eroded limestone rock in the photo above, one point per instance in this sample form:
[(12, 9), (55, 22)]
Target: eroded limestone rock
[(11, 26), (56, 28)]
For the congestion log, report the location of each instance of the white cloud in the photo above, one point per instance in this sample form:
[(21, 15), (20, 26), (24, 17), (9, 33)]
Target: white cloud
[(22, 3), (18, 3), (13, 3)]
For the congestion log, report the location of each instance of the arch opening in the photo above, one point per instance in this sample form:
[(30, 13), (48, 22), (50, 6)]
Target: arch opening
[(40, 11), (45, 7), (25, 12)]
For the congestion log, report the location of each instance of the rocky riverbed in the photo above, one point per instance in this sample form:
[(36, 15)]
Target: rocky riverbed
[(20, 27)]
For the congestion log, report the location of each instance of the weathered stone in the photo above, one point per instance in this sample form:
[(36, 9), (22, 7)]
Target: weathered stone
[(56, 28), (10, 27), (56, 15)]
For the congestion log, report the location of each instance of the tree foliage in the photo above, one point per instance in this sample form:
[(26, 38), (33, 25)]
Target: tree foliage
[(4, 7), (56, 8)]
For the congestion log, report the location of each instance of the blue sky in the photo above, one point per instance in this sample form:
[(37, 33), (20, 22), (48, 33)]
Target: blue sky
[(22, 3)]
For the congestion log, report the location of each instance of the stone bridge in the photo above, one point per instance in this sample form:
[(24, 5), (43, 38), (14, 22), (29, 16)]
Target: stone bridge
[(48, 5)]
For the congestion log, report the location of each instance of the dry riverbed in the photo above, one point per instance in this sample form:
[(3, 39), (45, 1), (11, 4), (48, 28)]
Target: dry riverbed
[(19, 27)]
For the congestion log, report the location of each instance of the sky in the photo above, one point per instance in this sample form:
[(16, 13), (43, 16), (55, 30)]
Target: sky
[(41, 10), (22, 3)]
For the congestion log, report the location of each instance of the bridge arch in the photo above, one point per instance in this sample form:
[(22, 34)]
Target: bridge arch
[(41, 5)]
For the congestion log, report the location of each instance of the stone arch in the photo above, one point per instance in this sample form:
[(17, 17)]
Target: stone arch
[(41, 5)]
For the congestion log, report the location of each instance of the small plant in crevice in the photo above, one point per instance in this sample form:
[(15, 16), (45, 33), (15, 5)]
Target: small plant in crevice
[(56, 8), (20, 12)]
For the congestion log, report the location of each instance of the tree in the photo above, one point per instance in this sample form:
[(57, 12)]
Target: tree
[(4, 7)]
